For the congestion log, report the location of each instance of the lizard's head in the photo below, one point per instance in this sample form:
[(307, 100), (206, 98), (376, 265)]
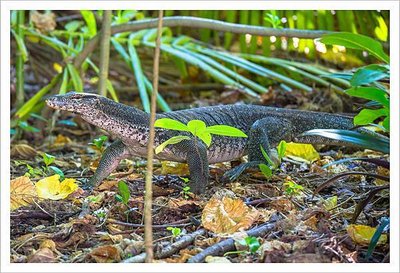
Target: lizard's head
[(78, 103)]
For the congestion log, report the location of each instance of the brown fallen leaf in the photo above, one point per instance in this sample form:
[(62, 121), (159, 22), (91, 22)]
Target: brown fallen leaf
[(44, 22), (106, 254), (43, 255), (228, 215), (23, 151), (22, 192)]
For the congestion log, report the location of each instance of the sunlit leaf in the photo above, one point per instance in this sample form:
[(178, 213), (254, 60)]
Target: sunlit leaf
[(90, 20), (123, 190), (370, 93), (267, 172), (356, 41), (225, 130), (367, 116), (51, 188), (172, 140), (305, 151), (22, 192), (171, 124), (196, 126), (362, 234)]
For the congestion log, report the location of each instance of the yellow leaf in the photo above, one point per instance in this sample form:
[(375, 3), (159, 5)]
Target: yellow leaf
[(330, 203), (169, 167), (22, 192), (228, 215), (51, 188), (305, 151), (362, 234), (57, 67)]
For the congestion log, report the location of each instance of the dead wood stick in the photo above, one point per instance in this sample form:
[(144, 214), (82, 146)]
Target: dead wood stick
[(229, 244)]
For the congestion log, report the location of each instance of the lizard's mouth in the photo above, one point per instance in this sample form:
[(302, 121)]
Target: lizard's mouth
[(56, 103)]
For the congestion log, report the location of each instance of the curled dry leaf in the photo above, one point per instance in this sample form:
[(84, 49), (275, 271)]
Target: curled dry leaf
[(216, 259), (228, 215), (23, 151), (362, 235), (44, 22), (22, 192), (106, 254), (52, 188)]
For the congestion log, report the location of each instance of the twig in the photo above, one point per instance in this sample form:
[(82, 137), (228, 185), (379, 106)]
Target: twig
[(229, 244), (148, 234), (104, 52), (19, 63), (169, 250), (194, 22)]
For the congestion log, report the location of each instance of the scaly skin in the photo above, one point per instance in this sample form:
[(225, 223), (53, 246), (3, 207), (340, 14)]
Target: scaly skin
[(264, 125)]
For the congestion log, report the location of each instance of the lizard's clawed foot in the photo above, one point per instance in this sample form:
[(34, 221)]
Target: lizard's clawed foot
[(234, 173)]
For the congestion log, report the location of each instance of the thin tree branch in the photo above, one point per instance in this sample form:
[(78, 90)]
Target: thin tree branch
[(148, 232), (104, 52), (194, 22)]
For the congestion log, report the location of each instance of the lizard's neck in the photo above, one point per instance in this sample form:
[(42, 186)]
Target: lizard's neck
[(126, 123)]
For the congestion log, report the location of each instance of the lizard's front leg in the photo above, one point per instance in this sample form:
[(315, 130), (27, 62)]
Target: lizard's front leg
[(108, 162), (196, 157), (267, 133)]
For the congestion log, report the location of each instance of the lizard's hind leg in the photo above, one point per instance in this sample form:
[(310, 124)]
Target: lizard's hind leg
[(265, 133)]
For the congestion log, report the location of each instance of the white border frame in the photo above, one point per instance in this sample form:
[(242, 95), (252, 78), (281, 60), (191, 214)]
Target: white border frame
[(6, 6)]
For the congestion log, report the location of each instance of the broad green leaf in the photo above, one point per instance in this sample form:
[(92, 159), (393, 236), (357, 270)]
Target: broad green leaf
[(225, 130), (368, 74), (367, 116), (265, 170), (356, 41), (196, 126), (370, 93), (48, 159), (124, 192), (355, 138), (172, 140), (168, 123), (90, 20), (205, 137)]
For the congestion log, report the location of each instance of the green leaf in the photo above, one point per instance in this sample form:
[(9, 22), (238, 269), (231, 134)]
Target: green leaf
[(356, 41), (48, 159), (368, 74), (370, 93), (58, 171), (72, 26), (21, 45), (26, 127), (281, 149), (225, 130), (123, 190), (75, 77), (252, 243), (367, 141), (171, 124), (266, 156), (90, 20), (386, 123), (367, 116), (265, 170), (172, 140), (205, 137), (98, 142), (375, 238), (196, 126)]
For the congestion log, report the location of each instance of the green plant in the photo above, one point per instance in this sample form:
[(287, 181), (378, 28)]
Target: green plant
[(273, 19), (124, 193), (252, 243), (197, 128), (99, 142), (186, 190), (268, 170), (291, 188), (175, 231)]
